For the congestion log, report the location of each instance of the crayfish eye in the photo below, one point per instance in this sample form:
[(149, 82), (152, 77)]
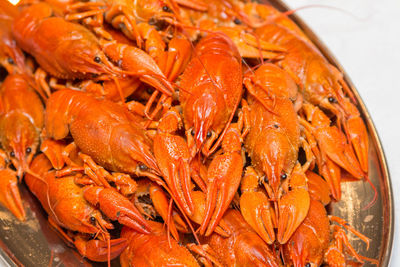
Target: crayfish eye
[(265, 179), (28, 150), (332, 99), (10, 60), (97, 59), (276, 126), (93, 220), (209, 134), (142, 167), (192, 132), (152, 21), (283, 176), (307, 265), (12, 154), (166, 9), (149, 90), (237, 21)]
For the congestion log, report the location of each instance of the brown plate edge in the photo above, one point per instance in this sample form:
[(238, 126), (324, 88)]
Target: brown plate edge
[(7, 257)]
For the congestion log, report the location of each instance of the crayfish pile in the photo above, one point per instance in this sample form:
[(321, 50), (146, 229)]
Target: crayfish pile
[(213, 132)]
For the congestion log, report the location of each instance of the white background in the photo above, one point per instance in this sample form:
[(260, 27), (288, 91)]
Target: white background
[(366, 41)]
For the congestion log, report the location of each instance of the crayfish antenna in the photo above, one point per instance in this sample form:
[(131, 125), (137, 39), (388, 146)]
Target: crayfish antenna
[(40, 166), (163, 208), (370, 204)]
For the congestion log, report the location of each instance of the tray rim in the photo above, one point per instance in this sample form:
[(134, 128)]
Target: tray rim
[(8, 259)]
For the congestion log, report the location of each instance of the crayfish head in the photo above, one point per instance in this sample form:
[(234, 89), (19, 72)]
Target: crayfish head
[(11, 57), (274, 155), (19, 138), (85, 56), (95, 63), (204, 111), (209, 118)]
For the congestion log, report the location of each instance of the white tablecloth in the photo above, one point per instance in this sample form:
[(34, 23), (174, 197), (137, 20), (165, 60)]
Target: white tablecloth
[(366, 41)]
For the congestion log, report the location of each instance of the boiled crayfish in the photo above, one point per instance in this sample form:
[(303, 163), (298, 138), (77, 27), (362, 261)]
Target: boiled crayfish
[(157, 131)]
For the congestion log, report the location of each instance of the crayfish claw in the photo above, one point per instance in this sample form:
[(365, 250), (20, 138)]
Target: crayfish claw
[(162, 206), (224, 176), (199, 213), (172, 155), (318, 188), (258, 212), (293, 208), (256, 208), (332, 141), (358, 137), (332, 174), (53, 149), (9, 193), (355, 130), (117, 207)]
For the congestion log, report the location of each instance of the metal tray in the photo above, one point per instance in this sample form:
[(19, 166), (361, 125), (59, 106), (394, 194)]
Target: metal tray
[(34, 243)]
